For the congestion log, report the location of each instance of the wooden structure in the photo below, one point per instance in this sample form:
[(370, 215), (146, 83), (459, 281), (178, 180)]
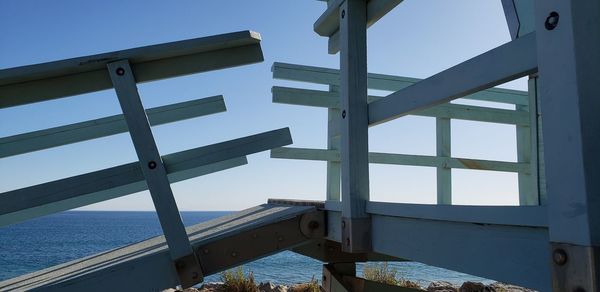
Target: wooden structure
[(549, 242)]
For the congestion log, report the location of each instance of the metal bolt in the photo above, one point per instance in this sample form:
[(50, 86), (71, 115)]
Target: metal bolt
[(559, 256), (343, 224), (120, 71), (343, 114), (552, 20), (313, 225), (152, 164), (343, 13), (234, 254), (205, 251)]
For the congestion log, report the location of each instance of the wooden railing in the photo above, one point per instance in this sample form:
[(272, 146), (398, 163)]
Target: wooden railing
[(521, 117)]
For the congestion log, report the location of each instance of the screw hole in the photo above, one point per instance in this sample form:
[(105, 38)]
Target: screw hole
[(343, 114), (343, 13)]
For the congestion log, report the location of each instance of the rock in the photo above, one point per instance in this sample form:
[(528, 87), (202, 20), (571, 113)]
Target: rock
[(475, 287), (210, 287), (441, 286), (502, 287), (270, 287)]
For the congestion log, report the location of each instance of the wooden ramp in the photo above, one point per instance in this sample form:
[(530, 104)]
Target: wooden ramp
[(221, 243)]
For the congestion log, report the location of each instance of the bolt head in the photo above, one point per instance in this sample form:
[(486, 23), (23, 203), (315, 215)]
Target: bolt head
[(343, 114), (559, 256), (343, 13), (313, 225), (120, 71), (152, 164), (552, 20)]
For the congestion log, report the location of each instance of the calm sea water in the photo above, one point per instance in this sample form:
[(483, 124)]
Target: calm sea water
[(55, 239)]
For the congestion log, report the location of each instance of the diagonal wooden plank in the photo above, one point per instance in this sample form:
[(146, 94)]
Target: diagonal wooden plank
[(507, 62)]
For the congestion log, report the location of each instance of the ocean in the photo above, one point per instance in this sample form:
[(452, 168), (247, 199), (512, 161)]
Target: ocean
[(59, 238)]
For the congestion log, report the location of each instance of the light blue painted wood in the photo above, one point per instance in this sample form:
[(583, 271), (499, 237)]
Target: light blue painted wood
[(327, 76), (78, 132), (64, 78), (403, 159), (146, 265), (122, 180), (326, 99), (443, 149), (507, 62), (150, 160)]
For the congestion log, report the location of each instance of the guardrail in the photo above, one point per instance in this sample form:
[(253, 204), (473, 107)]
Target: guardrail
[(520, 117)]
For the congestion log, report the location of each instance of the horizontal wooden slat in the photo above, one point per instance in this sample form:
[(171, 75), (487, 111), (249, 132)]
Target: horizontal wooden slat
[(504, 63), (121, 180), (73, 133), (57, 79), (526, 216), (403, 159), (318, 98), (328, 76)]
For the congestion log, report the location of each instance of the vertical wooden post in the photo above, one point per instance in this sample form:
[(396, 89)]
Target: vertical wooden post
[(527, 150), (356, 223), (333, 143), (568, 42), (443, 149)]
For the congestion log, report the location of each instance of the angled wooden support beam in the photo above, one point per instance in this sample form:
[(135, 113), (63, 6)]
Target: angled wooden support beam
[(69, 77), (155, 174), (85, 189), (341, 277), (328, 24), (568, 43), (510, 61), (78, 132), (519, 17), (328, 76)]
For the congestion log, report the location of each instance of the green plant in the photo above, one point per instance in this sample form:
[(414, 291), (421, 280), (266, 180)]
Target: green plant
[(312, 286), (236, 281), (380, 272)]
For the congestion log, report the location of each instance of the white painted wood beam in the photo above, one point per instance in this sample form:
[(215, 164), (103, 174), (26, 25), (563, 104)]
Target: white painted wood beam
[(510, 61)]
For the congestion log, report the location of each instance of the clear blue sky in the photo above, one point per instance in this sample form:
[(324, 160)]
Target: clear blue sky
[(418, 39)]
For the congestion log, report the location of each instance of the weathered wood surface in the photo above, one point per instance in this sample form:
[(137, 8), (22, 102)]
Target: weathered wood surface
[(34, 83), (146, 266), (103, 127)]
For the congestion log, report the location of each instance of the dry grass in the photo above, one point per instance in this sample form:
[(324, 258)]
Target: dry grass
[(236, 281), (381, 272), (312, 286)]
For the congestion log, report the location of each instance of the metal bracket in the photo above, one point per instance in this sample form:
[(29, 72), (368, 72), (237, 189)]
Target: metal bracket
[(574, 267), (356, 234)]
